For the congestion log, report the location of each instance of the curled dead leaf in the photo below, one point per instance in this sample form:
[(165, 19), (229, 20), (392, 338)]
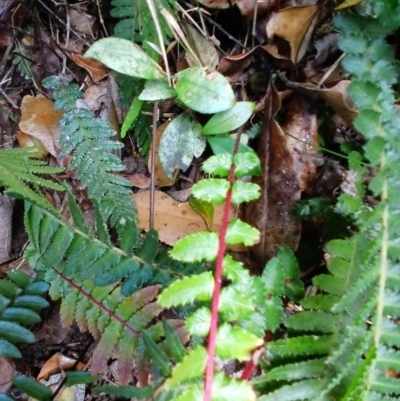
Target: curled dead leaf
[(96, 69)]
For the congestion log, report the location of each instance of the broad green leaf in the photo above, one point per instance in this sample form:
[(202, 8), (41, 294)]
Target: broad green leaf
[(35, 302), (236, 343), (235, 304), (20, 278), (125, 391), (230, 119), (9, 289), (33, 388), (193, 365), (157, 355), (196, 247), (247, 163), (218, 164), (212, 190), (187, 290), (125, 57), (302, 345), (9, 350), (156, 90), (15, 333), (207, 94), (204, 209), (133, 112), (37, 288), (244, 192), (273, 277), (74, 378), (226, 145), (180, 141), (240, 232), (229, 389), (235, 271), (174, 343), (272, 309), (198, 323)]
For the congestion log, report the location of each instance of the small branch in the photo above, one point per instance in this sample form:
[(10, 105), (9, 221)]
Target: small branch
[(153, 163), (209, 376), (99, 304)]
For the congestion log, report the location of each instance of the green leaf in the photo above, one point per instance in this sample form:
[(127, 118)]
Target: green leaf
[(34, 389), (180, 141), (20, 315), (226, 145), (244, 192), (187, 290), (198, 323), (4, 397), (218, 164), (204, 209), (229, 389), (37, 288), (230, 119), (235, 304), (246, 163), (74, 378), (9, 289), (207, 94), (125, 391), (125, 57), (235, 271), (158, 356), (212, 190), (236, 343), (15, 333), (174, 343), (20, 278), (9, 350), (196, 247), (133, 112), (156, 90), (240, 232), (193, 365), (34, 302)]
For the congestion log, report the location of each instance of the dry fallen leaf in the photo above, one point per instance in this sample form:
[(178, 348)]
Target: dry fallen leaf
[(40, 120), (137, 180), (246, 7), (7, 372), (172, 220), (272, 214), (57, 363), (301, 129), (96, 69), (6, 212), (295, 25)]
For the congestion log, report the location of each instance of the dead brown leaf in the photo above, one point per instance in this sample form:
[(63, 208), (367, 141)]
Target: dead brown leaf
[(272, 212), (96, 69), (7, 372), (40, 120), (295, 25), (246, 7), (301, 129), (137, 180), (58, 363), (6, 212), (172, 220)]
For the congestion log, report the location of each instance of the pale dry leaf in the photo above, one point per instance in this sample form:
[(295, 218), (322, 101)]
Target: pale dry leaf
[(40, 120), (57, 363), (7, 372), (172, 220), (137, 180), (6, 212), (295, 25), (81, 21), (96, 69)]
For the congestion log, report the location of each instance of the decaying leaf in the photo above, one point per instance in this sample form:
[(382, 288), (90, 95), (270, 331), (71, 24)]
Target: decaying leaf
[(57, 363), (204, 48), (7, 372), (6, 212), (40, 120), (336, 97), (172, 220), (272, 214), (246, 7), (295, 25), (301, 129), (96, 69), (137, 180)]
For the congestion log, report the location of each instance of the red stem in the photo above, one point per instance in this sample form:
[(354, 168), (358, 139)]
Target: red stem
[(209, 376), (98, 303)]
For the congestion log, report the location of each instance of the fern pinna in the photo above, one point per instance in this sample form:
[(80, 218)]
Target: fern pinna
[(344, 346)]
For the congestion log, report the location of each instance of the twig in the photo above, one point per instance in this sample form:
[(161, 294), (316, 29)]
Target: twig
[(153, 163)]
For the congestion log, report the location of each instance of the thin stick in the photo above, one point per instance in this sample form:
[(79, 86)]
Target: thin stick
[(153, 164)]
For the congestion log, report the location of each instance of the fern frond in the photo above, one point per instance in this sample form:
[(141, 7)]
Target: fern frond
[(21, 174)]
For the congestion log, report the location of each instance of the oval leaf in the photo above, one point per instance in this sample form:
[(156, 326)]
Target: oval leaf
[(15, 333), (34, 389), (125, 57), (207, 94), (156, 90), (229, 120), (211, 190), (180, 141)]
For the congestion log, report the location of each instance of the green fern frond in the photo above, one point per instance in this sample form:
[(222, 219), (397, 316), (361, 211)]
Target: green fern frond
[(20, 300), (21, 174)]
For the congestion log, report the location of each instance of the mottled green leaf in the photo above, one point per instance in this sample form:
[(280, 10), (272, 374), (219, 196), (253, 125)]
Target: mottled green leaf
[(207, 94), (246, 163), (125, 57), (230, 119), (156, 90)]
